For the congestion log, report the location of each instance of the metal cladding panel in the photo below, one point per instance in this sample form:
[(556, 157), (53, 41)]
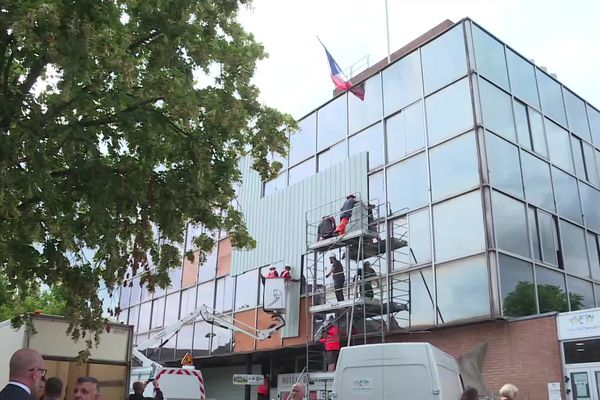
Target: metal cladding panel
[(278, 221)]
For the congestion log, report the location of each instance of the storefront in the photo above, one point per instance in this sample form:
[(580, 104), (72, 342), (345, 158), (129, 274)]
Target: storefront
[(579, 334)]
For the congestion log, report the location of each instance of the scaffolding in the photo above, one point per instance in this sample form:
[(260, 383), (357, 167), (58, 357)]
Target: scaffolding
[(369, 308)]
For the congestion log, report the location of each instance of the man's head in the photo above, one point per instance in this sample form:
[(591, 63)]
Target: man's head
[(87, 388), (54, 388), (287, 268), (366, 264), (272, 268), (26, 366), (351, 196), (138, 387), (331, 257), (297, 391)]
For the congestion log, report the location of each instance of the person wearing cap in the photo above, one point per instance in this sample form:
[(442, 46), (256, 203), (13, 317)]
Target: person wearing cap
[(287, 273), (333, 343), (365, 272), (337, 272), (346, 213)]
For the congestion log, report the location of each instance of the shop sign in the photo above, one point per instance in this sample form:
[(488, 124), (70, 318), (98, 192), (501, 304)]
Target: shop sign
[(579, 324)]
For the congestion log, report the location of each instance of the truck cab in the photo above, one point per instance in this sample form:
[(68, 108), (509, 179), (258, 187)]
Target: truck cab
[(418, 371)]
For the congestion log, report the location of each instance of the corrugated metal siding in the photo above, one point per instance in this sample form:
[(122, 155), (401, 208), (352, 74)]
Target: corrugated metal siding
[(278, 221)]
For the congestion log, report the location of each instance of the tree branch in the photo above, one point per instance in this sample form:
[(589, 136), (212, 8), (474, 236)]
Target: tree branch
[(144, 40), (113, 118), (34, 72)]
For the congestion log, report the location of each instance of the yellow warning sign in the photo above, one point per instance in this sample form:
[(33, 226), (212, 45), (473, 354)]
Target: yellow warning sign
[(187, 359)]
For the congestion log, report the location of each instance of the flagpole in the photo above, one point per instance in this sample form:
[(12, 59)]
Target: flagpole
[(387, 31)]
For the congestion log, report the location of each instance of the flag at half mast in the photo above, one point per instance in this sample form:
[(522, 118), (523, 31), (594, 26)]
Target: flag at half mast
[(339, 80)]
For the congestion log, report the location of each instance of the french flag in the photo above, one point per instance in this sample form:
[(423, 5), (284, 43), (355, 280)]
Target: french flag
[(340, 82)]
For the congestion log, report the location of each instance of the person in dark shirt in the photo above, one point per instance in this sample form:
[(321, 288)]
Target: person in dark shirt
[(138, 391), (346, 213), (337, 270), (367, 272), (326, 228)]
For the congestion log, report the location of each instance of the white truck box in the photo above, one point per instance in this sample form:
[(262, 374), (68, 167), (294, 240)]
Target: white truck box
[(418, 371)]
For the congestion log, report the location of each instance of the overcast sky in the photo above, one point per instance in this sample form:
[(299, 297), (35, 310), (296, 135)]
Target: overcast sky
[(562, 35)]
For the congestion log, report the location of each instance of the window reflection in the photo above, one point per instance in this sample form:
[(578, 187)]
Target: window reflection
[(370, 140), (567, 198), (124, 295), (405, 132), (552, 294), (158, 313), (594, 119), (246, 290), (136, 290), (522, 125), (594, 252), (419, 238), (458, 227), (302, 171), (454, 166), (447, 50), (334, 155), (510, 224), (202, 337), (518, 292), (188, 302), (577, 115), (407, 183), (144, 318), (549, 238), (536, 177), (462, 289), (224, 295), (303, 142), (402, 83), (578, 157), (332, 122), (171, 309), (449, 112), (489, 55), (590, 165), (377, 189), (534, 232), (133, 317), (551, 96), (496, 107), (184, 340), (503, 165), (574, 249), (208, 269), (221, 340), (581, 294), (362, 113), (522, 79), (536, 125), (421, 298), (590, 199)]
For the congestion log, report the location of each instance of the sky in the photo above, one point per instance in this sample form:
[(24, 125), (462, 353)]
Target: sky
[(562, 35)]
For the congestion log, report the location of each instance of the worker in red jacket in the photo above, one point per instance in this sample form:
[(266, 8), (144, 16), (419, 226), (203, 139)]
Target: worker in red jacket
[(287, 273), (273, 273), (264, 390), (333, 343)]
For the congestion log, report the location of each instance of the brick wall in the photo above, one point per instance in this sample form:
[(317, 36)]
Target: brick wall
[(525, 353)]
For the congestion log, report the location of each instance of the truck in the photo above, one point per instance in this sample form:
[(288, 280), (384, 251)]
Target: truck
[(109, 362), (386, 371)]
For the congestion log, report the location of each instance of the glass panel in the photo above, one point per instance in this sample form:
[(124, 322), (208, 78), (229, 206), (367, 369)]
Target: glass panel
[(188, 302), (175, 275), (333, 156), (489, 55), (522, 123), (454, 166), (536, 177), (224, 296), (567, 198), (447, 50), (421, 298), (551, 96), (133, 317), (419, 238), (206, 294), (552, 294), (534, 232), (208, 269), (190, 271), (503, 165), (371, 141), (522, 79), (510, 223), (158, 313), (496, 107), (583, 351), (303, 142), (594, 119), (276, 184), (407, 183), (402, 83), (518, 292), (302, 171), (377, 188), (145, 314), (574, 250), (449, 112), (536, 124), (362, 113), (221, 341), (590, 199), (185, 337), (590, 164), (405, 132), (125, 294), (246, 290), (458, 227), (136, 290), (193, 231), (594, 252), (202, 334), (577, 116), (578, 157), (581, 294), (172, 309), (401, 257), (333, 123), (549, 238), (462, 289)]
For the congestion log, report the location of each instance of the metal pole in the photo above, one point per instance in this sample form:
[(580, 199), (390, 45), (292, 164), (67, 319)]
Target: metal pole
[(387, 30), (247, 388)]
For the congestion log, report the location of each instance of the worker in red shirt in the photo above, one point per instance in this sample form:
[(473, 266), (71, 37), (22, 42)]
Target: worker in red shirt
[(333, 343), (264, 390), (273, 273), (287, 273)]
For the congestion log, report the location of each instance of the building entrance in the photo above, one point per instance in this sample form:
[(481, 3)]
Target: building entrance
[(584, 382)]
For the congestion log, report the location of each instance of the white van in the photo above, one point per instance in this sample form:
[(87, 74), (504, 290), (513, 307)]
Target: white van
[(391, 371)]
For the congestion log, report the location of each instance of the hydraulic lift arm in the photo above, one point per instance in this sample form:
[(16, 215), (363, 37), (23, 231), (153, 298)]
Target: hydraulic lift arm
[(225, 321)]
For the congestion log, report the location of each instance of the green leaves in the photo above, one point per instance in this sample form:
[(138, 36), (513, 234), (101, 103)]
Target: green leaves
[(124, 141)]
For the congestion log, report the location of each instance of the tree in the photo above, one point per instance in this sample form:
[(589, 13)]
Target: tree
[(116, 117), (51, 301), (521, 301)]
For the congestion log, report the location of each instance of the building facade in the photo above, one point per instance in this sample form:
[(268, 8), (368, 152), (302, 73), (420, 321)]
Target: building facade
[(486, 165)]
